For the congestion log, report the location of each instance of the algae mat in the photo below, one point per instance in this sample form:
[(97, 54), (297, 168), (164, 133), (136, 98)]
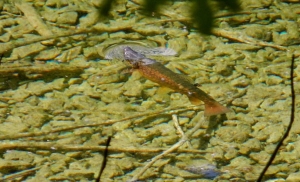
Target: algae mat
[(61, 100)]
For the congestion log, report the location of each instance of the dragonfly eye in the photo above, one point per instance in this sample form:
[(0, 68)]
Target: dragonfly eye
[(130, 54)]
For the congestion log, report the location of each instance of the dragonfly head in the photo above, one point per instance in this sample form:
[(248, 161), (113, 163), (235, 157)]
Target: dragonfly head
[(136, 58)]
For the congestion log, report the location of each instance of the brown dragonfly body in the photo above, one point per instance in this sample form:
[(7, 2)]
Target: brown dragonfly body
[(158, 73)]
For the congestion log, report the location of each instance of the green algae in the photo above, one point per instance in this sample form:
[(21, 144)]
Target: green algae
[(38, 96)]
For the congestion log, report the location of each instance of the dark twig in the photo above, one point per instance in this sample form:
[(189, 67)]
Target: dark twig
[(53, 146), (19, 174), (173, 110), (105, 155), (174, 147), (286, 134)]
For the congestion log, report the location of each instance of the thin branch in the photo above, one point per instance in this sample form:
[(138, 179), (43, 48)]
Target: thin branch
[(166, 152), (239, 37), (176, 123), (33, 18), (292, 119), (174, 110), (19, 174), (53, 146), (104, 162), (99, 28)]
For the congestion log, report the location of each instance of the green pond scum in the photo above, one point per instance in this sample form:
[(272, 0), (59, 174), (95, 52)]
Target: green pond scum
[(73, 108)]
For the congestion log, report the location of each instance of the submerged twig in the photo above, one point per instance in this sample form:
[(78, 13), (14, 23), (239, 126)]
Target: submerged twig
[(99, 28), (292, 118), (173, 110), (40, 69), (15, 43), (176, 123), (19, 174), (237, 36), (33, 18), (53, 146), (171, 149)]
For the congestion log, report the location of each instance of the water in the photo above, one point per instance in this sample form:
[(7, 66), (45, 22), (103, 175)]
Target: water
[(60, 100)]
